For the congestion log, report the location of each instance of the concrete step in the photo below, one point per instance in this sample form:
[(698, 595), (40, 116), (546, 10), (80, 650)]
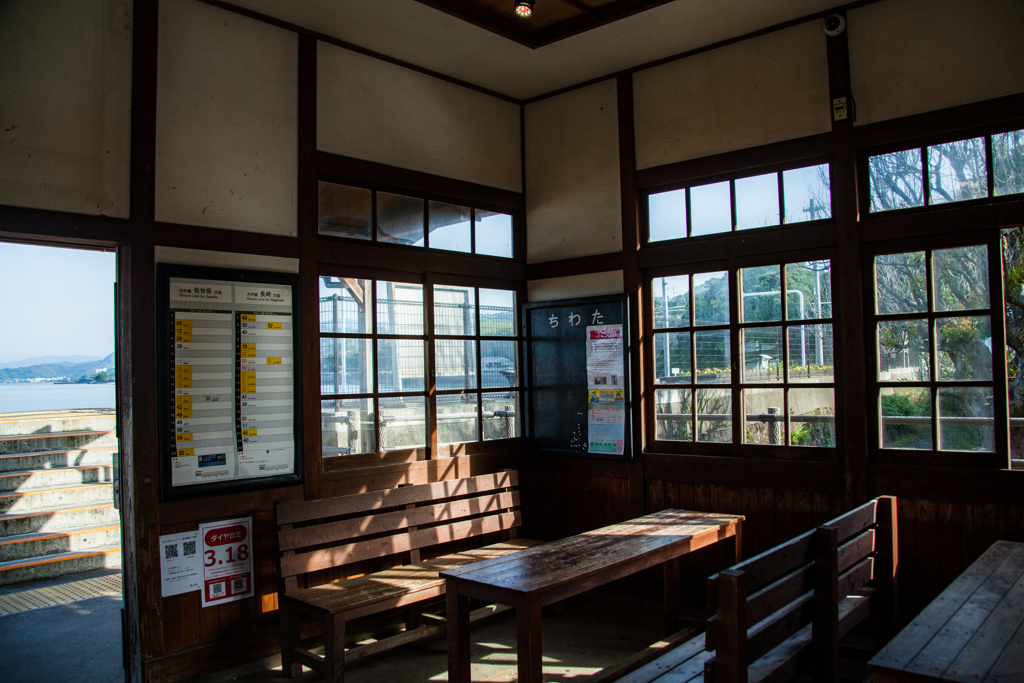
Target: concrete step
[(19, 571), (55, 441), (35, 480), (63, 518), (37, 545), (43, 460), (38, 501), (36, 422)]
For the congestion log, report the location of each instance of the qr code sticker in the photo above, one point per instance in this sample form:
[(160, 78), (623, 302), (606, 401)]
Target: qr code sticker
[(189, 548), (238, 586), (217, 589), (170, 551)]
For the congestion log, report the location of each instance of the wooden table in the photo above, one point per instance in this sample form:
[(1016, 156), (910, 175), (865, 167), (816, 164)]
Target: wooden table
[(539, 576), (973, 632)]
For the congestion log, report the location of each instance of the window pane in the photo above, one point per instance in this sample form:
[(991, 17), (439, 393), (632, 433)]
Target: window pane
[(961, 278), (399, 219), (348, 426), (714, 358), (1008, 162), (345, 366), (710, 209), (667, 215), (455, 364), (895, 180), (1013, 284), (964, 348), (345, 211), (714, 415), (399, 365), (403, 422), (806, 194), (343, 305), (399, 308), (499, 364), (810, 354), (672, 415), (900, 283), (809, 290), (501, 416), (762, 354), (450, 227), (764, 417), (812, 417), (454, 310), (966, 419), (497, 313), (456, 418), (675, 367), (711, 298), (760, 294), (906, 418), (956, 171), (671, 297), (757, 201), (493, 233), (903, 351)]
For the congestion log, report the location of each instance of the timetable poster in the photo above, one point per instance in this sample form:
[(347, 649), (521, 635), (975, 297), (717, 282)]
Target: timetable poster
[(232, 362)]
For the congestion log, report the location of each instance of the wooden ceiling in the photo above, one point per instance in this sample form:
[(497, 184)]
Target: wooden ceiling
[(552, 20)]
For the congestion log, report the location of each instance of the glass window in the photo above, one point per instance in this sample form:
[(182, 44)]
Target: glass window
[(1013, 316), (1008, 162), (957, 171), (807, 193), (345, 211), (757, 201), (710, 209), (896, 180), (934, 353), (493, 233), (399, 219), (450, 227), (667, 215)]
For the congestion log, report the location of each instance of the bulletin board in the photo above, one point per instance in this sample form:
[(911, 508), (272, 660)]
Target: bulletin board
[(577, 363), (229, 380)]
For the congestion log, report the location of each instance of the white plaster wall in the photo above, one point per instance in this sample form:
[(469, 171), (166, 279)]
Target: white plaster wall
[(913, 56), (573, 201), (373, 110), (222, 259), (226, 142), (575, 286), (65, 103), (755, 92)]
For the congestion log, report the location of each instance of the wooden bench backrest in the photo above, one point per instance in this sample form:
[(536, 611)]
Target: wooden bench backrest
[(326, 533), (763, 601)]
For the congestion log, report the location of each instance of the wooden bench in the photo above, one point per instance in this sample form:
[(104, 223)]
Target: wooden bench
[(783, 612), (322, 534)]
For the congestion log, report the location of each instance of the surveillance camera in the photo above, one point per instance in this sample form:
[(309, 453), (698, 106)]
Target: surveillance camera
[(834, 25)]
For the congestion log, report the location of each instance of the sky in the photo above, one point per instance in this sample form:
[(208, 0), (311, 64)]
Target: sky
[(55, 302)]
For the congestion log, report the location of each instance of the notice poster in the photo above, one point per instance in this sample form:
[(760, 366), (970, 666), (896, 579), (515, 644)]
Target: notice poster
[(227, 560), (604, 357), (233, 381), (180, 568), (606, 395)]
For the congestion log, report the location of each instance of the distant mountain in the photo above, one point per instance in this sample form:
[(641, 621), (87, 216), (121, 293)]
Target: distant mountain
[(63, 369), (47, 360)]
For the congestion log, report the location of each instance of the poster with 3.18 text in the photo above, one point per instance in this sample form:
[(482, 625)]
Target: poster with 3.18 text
[(227, 560)]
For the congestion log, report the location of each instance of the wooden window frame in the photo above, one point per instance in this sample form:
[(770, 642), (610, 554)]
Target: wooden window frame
[(737, 448), (1000, 457)]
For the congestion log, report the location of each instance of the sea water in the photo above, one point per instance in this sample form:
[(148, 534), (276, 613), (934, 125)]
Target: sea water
[(15, 398)]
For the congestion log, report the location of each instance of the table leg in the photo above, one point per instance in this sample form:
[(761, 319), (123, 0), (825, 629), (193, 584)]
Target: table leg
[(528, 639), (458, 634), (670, 570)]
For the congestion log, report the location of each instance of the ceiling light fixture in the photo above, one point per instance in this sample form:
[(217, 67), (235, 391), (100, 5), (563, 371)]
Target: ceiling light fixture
[(524, 8)]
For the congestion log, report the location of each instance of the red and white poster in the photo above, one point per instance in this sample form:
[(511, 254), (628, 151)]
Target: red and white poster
[(227, 560)]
